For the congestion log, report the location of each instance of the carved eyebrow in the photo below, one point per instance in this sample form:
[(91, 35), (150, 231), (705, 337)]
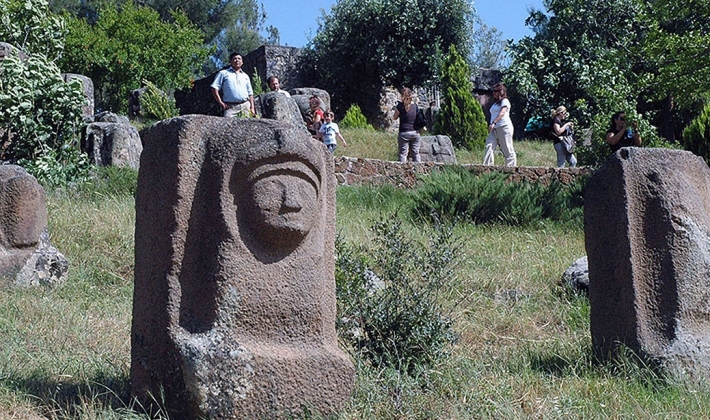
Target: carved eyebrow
[(293, 168)]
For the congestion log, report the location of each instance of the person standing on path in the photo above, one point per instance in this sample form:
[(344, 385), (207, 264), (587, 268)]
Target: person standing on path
[(500, 130), (237, 99)]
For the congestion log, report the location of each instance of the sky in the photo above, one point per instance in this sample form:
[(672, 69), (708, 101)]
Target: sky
[(297, 22)]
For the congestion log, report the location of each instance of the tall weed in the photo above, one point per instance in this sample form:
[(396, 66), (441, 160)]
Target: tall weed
[(390, 308)]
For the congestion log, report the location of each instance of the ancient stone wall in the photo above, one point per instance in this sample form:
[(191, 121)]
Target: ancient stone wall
[(272, 60), (357, 171)]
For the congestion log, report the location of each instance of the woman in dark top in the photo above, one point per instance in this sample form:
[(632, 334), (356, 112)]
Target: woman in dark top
[(620, 134), (408, 137)]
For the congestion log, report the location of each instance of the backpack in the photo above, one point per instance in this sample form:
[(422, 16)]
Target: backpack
[(420, 120)]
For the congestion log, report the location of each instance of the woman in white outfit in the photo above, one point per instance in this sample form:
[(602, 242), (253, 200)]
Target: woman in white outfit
[(500, 131)]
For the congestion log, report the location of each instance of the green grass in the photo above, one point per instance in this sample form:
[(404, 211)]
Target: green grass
[(524, 347), (383, 146)]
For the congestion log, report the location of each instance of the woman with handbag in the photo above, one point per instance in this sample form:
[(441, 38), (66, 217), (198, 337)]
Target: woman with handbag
[(408, 139), (562, 137)]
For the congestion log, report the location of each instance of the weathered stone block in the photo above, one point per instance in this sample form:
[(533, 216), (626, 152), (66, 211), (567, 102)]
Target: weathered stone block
[(87, 111), (437, 149), (646, 223), (234, 302), (277, 106), (114, 144), (26, 255)]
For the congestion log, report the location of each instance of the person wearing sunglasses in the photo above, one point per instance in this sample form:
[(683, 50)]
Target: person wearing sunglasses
[(621, 134)]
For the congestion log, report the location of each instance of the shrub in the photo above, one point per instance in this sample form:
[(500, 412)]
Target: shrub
[(461, 116), (696, 136), (455, 193), (157, 104), (389, 306), (257, 84), (354, 118), (30, 26), (41, 116)]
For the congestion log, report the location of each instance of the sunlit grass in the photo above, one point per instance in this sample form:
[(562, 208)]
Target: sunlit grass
[(383, 146), (524, 347)]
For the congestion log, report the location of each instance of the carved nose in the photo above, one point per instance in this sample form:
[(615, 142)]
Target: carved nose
[(290, 199)]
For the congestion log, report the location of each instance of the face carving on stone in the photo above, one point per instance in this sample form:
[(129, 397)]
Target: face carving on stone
[(282, 200)]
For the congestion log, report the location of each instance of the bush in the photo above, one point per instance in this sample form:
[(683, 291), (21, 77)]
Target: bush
[(455, 193), (389, 306), (256, 84), (42, 118), (354, 118), (156, 104), (30, 26), (696, 136)]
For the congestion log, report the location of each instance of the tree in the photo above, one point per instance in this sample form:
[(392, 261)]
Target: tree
[(678, 45), (488, 50), (365, 44), (227, 25), (129, 44), (696, 137), (586, 55), (461, 116), (648, 58)]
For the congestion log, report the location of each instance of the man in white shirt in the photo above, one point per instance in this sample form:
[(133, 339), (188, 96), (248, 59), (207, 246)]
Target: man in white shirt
[(237, 95), (275, 86)]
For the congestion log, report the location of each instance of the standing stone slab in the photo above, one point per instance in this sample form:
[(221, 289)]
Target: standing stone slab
[(27, 257), (647, 234), (234, 302)]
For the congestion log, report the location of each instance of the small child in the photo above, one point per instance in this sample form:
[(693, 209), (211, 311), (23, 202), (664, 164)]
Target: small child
[(329, 131)]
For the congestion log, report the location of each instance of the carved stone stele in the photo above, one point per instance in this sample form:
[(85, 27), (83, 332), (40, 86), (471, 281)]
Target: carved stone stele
[(647, 234), (234, 303), (27, 258)]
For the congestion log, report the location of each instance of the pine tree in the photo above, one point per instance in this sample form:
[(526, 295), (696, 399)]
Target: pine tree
[(461, 116)]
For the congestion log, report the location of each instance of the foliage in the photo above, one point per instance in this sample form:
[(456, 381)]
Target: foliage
[(392, 313), (591, 73), (363, 45), (38, 109), (129, 44), (678, 47), (156, 104), (226, 25), (696, 136), (461, 116), (29, 26), (63, 167), (243, 33), (488, 49), (648, 58), (457, 194), (354, 118), (257, 84)]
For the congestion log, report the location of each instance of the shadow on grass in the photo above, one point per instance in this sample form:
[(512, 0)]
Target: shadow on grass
[(584, 362), (68, 397)]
